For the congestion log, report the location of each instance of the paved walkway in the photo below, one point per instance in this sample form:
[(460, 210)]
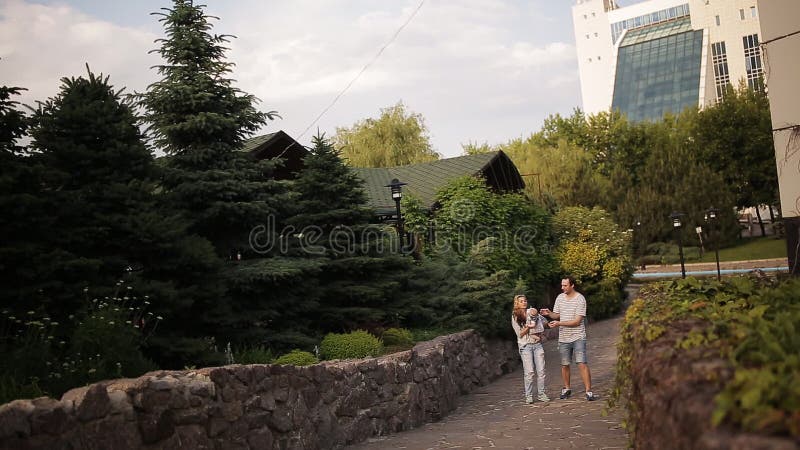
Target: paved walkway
[(496, 416)]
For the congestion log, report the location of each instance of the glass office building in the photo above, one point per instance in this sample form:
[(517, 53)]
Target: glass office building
[(658, 70), (651, 57)]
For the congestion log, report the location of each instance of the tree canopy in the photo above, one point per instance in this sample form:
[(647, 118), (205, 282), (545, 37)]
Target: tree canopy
[(397, 138)]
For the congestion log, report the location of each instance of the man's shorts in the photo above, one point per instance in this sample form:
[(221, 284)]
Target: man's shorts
[(567, 349)]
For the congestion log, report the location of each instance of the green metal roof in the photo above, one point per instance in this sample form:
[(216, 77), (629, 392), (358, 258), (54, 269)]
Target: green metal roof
[(656, 31), (255, 142), (425, 179)]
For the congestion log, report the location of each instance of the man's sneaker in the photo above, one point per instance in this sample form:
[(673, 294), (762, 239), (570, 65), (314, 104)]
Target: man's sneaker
[(529, 400), (591, 397), (565, 393), (543, 397)]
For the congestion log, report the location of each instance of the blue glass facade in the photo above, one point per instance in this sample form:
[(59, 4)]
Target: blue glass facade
[(660, 75)]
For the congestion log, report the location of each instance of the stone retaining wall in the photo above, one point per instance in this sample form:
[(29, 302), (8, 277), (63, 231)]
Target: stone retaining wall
[(327, 405), (673, 397)]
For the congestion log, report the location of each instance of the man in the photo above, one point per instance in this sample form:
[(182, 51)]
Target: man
[(568, 315)]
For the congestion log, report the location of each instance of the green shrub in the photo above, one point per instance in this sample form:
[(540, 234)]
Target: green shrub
[(257, 354), (603, 299), (103, 341), (296, 358), (397, 337), (356, 344), (749, 321)]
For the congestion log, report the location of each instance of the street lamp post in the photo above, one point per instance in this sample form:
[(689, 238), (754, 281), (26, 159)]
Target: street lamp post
[(638, 244), (396, 186), (711, 217), (676, 225)]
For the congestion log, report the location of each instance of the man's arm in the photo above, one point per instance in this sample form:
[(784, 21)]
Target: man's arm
[(567, 323), (550, 314)]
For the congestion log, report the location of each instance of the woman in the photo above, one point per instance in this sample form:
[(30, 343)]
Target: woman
[(528, 326)]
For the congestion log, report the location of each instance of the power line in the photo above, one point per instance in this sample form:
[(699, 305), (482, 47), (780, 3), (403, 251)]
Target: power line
[(364, 69)]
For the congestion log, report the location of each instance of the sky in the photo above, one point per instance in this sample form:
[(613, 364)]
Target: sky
[(478, 71)]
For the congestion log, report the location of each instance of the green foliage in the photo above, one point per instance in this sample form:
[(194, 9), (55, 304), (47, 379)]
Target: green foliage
[(428, 334), (397, 337), (296, 358), (255, 354), (356, 344), (597, 253), (734, 137), (103, 341), (750, 322), (499, 232), (397, 138)]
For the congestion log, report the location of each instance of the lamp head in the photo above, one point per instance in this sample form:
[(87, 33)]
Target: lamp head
[(396, 187)]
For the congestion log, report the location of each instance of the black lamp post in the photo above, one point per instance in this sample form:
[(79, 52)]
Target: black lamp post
[(638, 252), (397, 193), (677, 225), (711, 217)]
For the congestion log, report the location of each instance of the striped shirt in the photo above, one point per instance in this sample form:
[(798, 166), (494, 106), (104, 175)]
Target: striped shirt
[(569, 309)]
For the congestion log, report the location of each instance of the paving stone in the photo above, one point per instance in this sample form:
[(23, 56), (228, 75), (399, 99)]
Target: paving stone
[(496, 416)]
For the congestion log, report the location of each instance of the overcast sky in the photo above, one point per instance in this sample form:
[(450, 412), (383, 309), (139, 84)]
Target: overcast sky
[(476, 70)]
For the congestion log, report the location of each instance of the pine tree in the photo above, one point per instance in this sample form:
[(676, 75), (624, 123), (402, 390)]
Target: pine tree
[(200, 120), (25, 216), (197, 116)]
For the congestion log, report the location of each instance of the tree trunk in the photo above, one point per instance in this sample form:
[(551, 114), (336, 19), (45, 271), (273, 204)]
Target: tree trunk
[(760, 222)]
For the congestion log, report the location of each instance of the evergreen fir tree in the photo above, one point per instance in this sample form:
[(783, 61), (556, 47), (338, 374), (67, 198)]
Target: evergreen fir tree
[(200, 120), (99, 183), (197, 116), (362, 276)]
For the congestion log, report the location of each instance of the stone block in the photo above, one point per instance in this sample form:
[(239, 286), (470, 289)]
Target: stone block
[(50, 417), (95, 403), (156, 426), (15, 419)]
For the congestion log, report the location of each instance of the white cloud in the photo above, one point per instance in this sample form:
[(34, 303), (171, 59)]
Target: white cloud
[(42, 44), (465, 66)]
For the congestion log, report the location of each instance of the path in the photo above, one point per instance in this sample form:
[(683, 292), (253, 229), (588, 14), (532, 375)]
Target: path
[(496, 416)]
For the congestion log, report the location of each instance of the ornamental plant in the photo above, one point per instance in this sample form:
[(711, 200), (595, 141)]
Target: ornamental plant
[(750, 322), (593, 249), (296, 358), (356, 344), (106, 339)]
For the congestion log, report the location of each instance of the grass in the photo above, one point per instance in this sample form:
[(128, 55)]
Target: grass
[(751, 248)]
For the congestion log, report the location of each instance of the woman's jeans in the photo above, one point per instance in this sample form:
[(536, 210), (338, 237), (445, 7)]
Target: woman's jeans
[(533, 357)]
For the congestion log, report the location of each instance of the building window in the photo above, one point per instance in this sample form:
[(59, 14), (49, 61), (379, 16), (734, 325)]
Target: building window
[(593, 15), (595, 35), (753, 13), (590, 59), (599, 58), (722, 78), (659, 75), (741, 14), (585, 17), (664, 15), (717, 19), (587, 36), (752, 62)]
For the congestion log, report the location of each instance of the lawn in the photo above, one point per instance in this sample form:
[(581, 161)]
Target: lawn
[(751, 248)]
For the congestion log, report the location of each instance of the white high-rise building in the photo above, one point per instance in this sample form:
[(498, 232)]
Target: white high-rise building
[(659, 56)]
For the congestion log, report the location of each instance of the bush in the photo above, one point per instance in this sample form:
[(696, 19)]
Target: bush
[(751, 322), (357, 344), (603, 299), (257, 354), (397, 337), (105, 340), (296, 358)]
